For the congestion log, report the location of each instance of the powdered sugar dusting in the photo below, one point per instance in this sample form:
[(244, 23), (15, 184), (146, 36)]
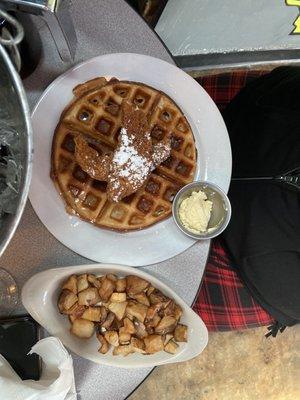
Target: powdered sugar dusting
[(129, 164)]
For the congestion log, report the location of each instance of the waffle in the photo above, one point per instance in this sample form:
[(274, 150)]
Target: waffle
[(95, 114)]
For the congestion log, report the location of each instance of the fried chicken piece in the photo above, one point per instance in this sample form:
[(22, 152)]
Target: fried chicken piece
[(95, 165)]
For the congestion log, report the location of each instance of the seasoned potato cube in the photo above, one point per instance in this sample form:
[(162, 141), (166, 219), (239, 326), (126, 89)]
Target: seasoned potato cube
[(104, 344), (122, 350), (107, 288), (153, 322), (137, 345), (168, 337), (76, 310), (150, 290), (140, 329), (141, 298), (178, 312), (88, 297), (121, 285), (171, 347), (153, 344), (166, 325), (71, 284), (135, 285), (104, 313), (118, 309), (108, 321), (94, 281), (82, 282), (180, 333), (118, 297), (92, 314), (156, 297), (66, 300), (129, 326), (83, 328), (173, 310), (112, 338), (112, 277), (116, 325), (124, 337), (136, 310), (153, 310)]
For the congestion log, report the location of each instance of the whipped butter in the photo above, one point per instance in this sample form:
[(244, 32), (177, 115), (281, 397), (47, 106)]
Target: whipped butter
[(194, 212)]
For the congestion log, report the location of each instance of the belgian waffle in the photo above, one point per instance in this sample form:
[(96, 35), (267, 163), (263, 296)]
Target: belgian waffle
[(95, 114)]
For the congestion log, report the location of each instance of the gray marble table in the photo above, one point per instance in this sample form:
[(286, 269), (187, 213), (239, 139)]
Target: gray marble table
[(106, 26)]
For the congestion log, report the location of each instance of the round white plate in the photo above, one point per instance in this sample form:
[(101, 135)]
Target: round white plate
[(163, 240)]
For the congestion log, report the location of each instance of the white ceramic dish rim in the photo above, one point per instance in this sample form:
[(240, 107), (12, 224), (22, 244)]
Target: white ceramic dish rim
[(139, 247), (43, 288)]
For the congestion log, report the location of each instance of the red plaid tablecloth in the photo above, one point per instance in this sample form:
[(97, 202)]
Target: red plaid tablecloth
[(224, 303)]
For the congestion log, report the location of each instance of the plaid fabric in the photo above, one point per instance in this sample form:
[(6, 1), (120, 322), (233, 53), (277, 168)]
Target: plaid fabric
[(224, 303)]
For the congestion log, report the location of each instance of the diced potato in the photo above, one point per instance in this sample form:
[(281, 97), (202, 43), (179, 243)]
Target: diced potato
[(124, 336), (178, 312), (168, 337), (153, 310), (112, 338), (153, 322), (123, 350), (135, 284), (118, 297), (76, 310), (106, 290), (121, 285), (94, 281), (137, 345), (82, 282), (104, 313), (88, 297), (166, 325), (83, 328), (170, 309), (171, 347), (180, 333), (108, 321), (136, 310), (129, 326), (112, 277), (140, 329), (141, 298), (66, 300), (71, 284), (150, 290), (116, 325), (173, 310), (157, 297), (92, 314), (104, 344), (153, 344), (118, 309)]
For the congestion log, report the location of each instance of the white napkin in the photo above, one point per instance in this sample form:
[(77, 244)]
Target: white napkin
[(57, 380)]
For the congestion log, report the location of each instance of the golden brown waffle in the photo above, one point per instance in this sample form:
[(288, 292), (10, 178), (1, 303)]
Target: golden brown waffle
[(95, 114)]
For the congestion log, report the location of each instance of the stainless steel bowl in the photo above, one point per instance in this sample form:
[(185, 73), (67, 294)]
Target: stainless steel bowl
[(220, 214), (14, 107)]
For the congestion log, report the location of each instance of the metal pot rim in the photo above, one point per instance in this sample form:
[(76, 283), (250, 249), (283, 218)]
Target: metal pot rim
[(24, 188)]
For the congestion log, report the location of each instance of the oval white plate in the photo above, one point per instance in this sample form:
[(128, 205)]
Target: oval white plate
[(40, 295), (164, 240)]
